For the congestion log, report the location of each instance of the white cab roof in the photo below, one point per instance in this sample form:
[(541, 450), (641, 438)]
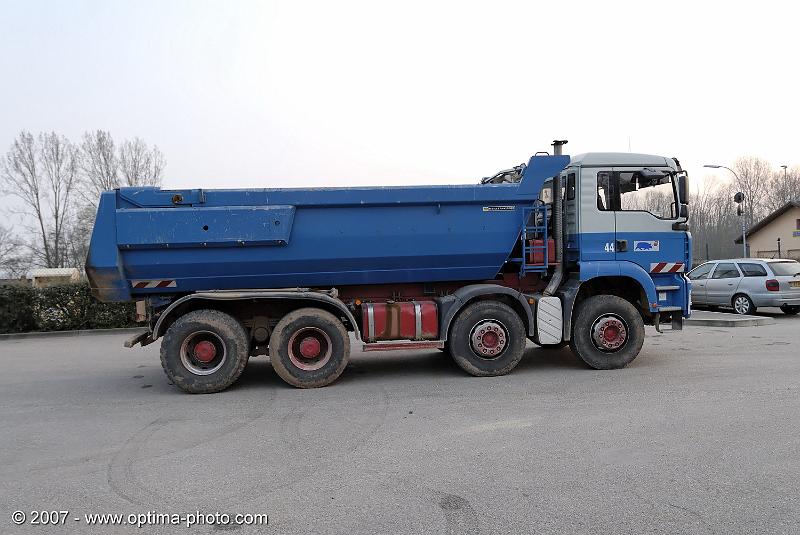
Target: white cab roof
[(611, 159)]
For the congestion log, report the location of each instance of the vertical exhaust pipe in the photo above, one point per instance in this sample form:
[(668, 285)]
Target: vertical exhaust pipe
[(558, 225)]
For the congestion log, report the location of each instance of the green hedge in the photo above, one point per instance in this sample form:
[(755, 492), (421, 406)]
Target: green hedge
[(64, 307)]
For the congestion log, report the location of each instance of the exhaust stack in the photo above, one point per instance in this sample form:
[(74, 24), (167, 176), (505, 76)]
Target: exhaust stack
[(558, 225)]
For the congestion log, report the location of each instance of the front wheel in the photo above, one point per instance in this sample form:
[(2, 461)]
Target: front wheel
[(487, 339), (790, 310), (608, 332)]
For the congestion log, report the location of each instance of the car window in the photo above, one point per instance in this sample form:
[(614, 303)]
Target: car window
[(725, 271), (753, 270), (785, 268), (700, 272)]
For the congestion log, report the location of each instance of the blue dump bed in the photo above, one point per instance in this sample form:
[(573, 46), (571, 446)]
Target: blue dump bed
[(151, 241)]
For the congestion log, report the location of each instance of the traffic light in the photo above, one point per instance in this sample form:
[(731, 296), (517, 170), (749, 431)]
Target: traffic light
[(738, 198)]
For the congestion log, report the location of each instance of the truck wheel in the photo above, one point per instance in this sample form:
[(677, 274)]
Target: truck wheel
[(204, 351), (487, 339), (608, 332), (309, 348)]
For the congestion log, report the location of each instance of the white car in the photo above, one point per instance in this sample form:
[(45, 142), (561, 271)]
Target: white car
[(747, 283)]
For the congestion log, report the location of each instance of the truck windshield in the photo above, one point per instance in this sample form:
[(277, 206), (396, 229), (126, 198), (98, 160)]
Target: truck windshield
[(635, 191)]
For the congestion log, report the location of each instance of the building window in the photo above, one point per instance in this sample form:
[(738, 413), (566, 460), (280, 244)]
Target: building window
[(797, 226)]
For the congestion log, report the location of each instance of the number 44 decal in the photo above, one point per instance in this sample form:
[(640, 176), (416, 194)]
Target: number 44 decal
[(609, 247)]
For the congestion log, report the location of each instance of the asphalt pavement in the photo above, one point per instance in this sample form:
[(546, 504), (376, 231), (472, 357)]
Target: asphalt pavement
[(698, 435)]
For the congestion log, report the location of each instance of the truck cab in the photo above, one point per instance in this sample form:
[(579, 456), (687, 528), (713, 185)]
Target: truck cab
[(625, 216)]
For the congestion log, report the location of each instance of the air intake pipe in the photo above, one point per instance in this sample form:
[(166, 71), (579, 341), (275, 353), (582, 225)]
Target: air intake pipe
[(558, 226)]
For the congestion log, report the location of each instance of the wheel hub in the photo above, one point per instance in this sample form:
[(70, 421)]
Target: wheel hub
[(205, 351), (488, 339), (609, 333), (310, 347)]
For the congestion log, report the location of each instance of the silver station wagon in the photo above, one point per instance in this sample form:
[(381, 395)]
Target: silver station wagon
[(747, 283)]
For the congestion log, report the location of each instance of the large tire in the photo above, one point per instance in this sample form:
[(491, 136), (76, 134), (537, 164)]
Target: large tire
[(204, 351), (743, 305), (309, 348), (608, 332), (487, 339)]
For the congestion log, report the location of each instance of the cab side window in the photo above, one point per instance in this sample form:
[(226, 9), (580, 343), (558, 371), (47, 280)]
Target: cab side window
[(700, 272), (725, 271), (604, 194), (753, 270)]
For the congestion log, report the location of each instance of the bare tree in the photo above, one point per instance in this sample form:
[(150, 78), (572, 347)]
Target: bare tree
[(713, 220), (79, 234), (12, 258), (42, 173), (140, 165), (754, 175), (99, 164), (783, 187), (60, 161)]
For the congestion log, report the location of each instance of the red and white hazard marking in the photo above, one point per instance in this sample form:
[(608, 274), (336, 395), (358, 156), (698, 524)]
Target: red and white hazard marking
[(160, 283), (667, 267)]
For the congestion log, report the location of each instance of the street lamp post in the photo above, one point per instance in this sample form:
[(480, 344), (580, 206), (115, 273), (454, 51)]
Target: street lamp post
[(744, 233), (784, 172)]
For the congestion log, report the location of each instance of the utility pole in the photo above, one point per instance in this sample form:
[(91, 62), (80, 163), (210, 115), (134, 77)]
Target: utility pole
[(779, 247)]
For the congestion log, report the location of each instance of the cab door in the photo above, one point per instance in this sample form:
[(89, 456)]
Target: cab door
[(643, 220)]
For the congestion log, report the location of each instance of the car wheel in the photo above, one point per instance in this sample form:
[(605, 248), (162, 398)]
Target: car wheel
[(743, 305), (790, 310)]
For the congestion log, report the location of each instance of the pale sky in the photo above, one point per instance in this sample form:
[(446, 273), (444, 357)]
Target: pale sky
[(286, 94)]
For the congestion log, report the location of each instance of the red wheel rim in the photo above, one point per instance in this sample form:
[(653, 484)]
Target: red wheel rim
[(310, 348), (609, 333), (488, 339), (203, 352)]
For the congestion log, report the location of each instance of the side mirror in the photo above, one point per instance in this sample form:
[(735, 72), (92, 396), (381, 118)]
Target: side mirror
[(684, 213), (683, 190)]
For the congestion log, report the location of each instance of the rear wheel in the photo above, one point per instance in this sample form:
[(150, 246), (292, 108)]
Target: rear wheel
[(608, 332), (743, 304), (204, 351), (790, 310), (309, 348), (487, 339)]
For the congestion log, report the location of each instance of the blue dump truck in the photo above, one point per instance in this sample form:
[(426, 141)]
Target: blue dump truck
[(583, 251)]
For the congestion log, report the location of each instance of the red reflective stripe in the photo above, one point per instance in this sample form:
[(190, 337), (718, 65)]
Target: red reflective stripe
[(163, 284), (659, 267), (141, 284), (676, 267)]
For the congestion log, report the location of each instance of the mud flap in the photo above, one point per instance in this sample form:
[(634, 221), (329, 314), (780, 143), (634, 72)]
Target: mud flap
[(549, 320)]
